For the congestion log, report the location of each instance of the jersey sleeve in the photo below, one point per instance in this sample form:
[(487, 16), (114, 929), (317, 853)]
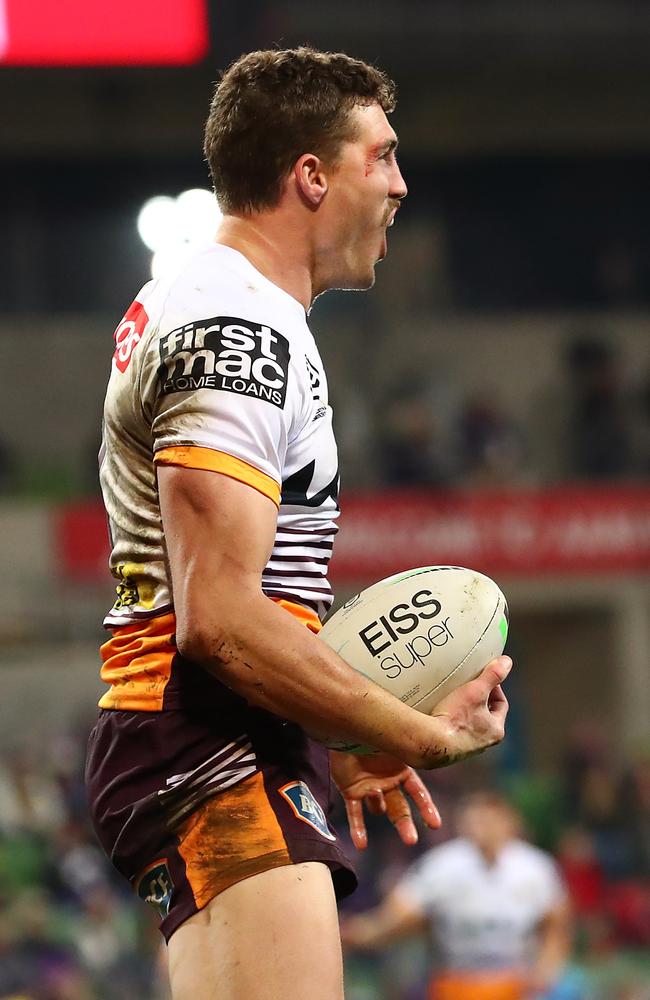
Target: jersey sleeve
[(217, 394)]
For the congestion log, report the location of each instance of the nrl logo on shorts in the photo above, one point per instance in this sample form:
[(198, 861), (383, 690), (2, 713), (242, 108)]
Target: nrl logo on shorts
[(226, 353), (305, 807), (155, 886)]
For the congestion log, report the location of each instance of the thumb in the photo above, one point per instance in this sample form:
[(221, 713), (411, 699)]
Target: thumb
[(494, 673)]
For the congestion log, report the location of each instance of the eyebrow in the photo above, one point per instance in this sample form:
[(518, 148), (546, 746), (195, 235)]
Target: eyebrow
[(388, 145)]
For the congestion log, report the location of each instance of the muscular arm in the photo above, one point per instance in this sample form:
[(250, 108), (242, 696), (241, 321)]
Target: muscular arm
[(219, 535)]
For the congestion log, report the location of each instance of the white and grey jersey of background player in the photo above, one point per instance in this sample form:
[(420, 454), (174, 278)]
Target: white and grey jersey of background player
[(218, 369)]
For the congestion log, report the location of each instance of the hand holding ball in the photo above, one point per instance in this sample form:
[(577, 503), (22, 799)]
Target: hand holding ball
[(422, 633)]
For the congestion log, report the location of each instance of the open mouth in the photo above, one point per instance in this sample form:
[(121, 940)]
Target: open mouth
[(388, 222), (391, 217)]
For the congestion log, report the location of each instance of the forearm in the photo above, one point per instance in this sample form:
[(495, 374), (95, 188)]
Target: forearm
[(261, 652), (391, 921), (554, 949), (219, 535), (552, 957), (367, 932)]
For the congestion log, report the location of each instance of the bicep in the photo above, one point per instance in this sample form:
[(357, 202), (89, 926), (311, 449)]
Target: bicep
[(219, 534)]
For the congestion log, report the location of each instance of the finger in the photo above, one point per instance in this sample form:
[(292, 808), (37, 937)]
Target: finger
[(421, 796), (356, 823), (399, 813), (375, 802)]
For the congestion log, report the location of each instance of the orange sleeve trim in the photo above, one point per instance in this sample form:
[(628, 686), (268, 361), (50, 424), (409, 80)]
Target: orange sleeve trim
[(194, 457)]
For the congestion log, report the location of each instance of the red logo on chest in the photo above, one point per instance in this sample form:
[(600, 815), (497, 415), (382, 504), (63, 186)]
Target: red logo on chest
[(128, 334)]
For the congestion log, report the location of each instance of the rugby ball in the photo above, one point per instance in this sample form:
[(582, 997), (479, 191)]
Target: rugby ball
[(420, 634)]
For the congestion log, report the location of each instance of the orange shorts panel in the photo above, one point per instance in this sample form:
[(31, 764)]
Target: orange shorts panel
[(482, 986), (231, 836)]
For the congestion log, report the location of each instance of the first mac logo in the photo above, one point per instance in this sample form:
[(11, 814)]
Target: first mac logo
[(226, 353)]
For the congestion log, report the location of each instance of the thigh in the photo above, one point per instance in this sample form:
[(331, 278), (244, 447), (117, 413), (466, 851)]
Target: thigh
[(268, 937)]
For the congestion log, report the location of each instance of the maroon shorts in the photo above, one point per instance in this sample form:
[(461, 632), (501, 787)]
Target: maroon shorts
[(185, 808)]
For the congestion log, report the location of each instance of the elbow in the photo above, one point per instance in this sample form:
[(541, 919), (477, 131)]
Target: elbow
[(210, 627), (190, 643), (220, 656), (200, 644)]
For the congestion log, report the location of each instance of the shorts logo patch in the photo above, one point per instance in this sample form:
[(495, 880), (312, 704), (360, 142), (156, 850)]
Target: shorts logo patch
[(226, 353), (306, 808), (155, 886)]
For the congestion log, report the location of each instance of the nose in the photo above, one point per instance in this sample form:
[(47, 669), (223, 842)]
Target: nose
[(398, 188)]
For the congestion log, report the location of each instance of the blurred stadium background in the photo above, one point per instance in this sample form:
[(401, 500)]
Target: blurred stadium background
[(492, 400)]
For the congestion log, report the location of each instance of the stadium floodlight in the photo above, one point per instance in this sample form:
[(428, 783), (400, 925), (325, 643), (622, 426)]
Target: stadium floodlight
[(172, 227), (198, 214), (157, 221)]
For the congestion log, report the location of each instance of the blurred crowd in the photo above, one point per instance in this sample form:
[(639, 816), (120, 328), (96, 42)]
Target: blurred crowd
[(592, 424), (70, 930), (589, 426)]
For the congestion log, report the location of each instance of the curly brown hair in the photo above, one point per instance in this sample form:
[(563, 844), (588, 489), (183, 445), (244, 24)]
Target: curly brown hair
[(272, 106)]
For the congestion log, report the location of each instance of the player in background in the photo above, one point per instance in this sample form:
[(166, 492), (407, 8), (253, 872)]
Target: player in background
[(495, 906), (219, 473)]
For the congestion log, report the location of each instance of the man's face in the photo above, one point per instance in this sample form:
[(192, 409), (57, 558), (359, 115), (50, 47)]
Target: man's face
[(490, 827), (364, 191)]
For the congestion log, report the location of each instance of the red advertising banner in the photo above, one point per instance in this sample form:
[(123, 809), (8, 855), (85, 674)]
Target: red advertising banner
[(102, 32), (81, 546), (526, 533), (557, 531)]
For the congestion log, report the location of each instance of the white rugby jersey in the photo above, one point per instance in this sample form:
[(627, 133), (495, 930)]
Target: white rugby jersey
[(483, 917), (217, 369)]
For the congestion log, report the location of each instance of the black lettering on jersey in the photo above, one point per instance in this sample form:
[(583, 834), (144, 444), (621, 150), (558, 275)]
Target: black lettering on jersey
[(226, 353), (314, 380), (295, 489)]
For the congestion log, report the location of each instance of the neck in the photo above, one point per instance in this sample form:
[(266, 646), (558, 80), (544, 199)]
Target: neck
[(275, 249), (490, 852)]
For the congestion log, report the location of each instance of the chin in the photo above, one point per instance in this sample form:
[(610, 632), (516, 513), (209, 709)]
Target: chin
[(356, 273), (355, 283), (365, 278), (366, 282)]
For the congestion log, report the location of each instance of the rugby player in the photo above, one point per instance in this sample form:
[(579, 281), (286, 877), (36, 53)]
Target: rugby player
[(495, 905), (208, 778)]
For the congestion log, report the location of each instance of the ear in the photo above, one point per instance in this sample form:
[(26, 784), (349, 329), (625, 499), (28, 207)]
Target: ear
[(311, 180)]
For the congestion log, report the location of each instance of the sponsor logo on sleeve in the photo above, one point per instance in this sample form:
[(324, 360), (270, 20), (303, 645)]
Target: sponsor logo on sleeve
[(306, 808), (128, 334), (155, 886), (226, 353)]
